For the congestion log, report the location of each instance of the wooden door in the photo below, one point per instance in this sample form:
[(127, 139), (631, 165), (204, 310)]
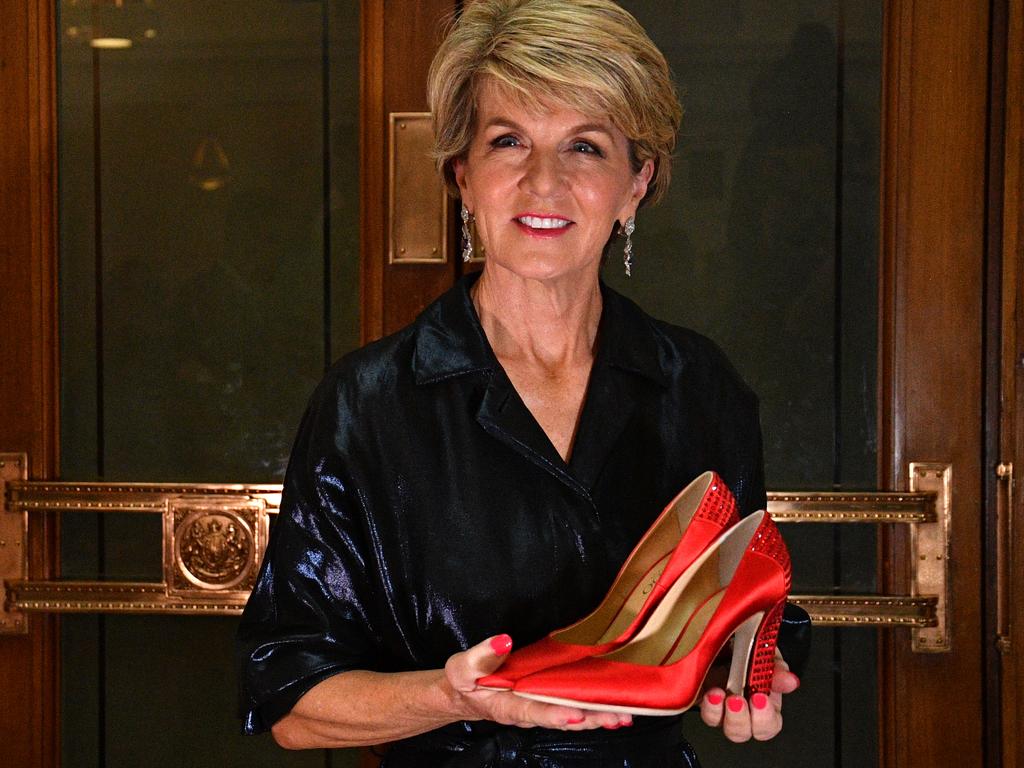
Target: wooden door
[(944, 74)]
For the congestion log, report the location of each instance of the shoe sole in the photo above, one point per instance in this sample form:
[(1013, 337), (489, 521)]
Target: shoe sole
[(595, 707)]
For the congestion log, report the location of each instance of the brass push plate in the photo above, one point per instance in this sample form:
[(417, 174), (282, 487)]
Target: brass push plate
[(13, 543), (418, 202), (929, 548)]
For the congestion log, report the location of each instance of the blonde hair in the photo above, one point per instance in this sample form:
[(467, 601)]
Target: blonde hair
[(588, 54)]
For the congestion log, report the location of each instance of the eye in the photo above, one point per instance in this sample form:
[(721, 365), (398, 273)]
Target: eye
[(586, 148), (506, 140)]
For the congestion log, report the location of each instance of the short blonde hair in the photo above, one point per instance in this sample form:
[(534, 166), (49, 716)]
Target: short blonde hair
[(588, 54)]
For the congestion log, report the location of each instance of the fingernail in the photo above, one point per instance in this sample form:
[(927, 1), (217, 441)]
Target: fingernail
[(735, 703), (797, 682), (628, 723), (575, 721), (714, 699), (501, 644), (613, 727), (759, 701)]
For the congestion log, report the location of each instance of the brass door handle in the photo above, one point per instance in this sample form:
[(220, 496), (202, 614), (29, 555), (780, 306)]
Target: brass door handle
[(1004, 539)]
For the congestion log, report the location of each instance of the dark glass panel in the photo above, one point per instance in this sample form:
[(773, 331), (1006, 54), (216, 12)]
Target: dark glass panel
[(209, 272)]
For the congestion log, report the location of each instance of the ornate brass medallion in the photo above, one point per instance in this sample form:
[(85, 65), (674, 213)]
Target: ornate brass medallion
[(213, 545)]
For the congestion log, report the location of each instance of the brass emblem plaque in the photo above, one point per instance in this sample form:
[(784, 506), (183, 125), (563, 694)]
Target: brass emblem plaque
[(213, 547)]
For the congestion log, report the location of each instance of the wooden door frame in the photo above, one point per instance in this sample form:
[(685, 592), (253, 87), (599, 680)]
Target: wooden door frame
[(934, 179), (30, 664), (398, 43), (1007, 231)]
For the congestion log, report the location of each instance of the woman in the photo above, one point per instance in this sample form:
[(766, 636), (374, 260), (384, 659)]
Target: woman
[(478, 478)]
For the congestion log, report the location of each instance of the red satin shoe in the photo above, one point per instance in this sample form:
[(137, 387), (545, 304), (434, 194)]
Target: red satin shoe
[(737, 588), (684, 529)]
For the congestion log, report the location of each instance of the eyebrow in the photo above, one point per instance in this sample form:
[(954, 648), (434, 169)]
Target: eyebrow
[(507, 122)]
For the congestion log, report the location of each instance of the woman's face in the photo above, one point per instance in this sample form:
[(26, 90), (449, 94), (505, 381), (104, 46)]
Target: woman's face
[(546, 185)]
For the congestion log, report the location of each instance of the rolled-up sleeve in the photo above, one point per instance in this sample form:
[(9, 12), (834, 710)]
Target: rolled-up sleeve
[(308, 616)]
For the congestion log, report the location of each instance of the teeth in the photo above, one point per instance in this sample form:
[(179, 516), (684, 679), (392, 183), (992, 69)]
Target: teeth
[(536, 222)]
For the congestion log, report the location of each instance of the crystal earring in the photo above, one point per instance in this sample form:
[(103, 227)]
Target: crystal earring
[(627, 252), (467, 238)]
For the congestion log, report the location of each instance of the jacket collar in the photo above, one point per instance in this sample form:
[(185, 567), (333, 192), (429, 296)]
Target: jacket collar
[(451, 342)]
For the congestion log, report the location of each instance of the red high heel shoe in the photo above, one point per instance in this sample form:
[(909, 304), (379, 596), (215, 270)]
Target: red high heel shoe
[(737, 588), (684, 529)]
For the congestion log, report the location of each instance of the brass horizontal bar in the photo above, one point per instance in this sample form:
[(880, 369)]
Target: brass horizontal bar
[(869, 610), (784, 506), (64, 496), (113, 597), (851, 507), (146, 597)]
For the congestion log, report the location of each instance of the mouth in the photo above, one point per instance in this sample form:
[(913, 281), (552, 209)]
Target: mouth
[(543, 226)]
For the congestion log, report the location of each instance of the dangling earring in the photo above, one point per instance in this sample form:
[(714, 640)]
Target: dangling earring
[(467, 238), (627, 252)]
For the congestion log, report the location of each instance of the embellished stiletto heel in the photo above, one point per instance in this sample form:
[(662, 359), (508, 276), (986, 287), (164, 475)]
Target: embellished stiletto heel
[(735, 589), (753, 649), (683, 530)]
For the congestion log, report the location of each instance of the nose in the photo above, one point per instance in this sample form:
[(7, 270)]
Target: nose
[(543, 175)]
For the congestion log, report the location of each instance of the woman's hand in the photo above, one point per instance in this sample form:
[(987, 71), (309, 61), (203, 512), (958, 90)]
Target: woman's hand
[(760, 718), (463, 670)]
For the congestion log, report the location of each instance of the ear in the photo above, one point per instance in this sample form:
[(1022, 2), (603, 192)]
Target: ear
[(459, 170), (641, 180)]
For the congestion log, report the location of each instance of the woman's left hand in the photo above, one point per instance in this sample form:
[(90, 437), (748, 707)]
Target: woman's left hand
[(760, 718), (474, 703)]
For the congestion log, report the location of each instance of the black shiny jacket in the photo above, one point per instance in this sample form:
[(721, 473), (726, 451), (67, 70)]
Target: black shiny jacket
[(425, 509)]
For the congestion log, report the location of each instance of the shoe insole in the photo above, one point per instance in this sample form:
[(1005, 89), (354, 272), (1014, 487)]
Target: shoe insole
[(616, 611), (678, 629)]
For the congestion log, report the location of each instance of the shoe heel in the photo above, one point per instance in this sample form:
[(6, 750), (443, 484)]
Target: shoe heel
[(754, 649)]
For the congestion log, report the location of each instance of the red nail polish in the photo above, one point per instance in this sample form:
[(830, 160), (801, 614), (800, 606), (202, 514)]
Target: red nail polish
[(797, 682), (735, 704), (575, 721), (759, 701), (501, 644), (714, 699)]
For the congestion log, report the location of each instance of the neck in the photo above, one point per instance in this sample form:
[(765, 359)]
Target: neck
[(548, 322)]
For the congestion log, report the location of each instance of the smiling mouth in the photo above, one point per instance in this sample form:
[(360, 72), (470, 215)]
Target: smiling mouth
[(543, 222)]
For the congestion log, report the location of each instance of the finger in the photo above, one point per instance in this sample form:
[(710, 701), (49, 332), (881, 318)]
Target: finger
[(765, 717), (784, 681), (712, 706), (464, 669), (608, 720), (736, 720)]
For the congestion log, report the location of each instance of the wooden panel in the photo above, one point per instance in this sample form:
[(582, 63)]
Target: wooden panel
[(28, 376), (399, 42), (932, 262)]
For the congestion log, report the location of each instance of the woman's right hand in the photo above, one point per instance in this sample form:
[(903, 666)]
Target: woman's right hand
[(462, 671)]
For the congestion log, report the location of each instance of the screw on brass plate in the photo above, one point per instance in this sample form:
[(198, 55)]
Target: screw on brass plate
[(402, 126), (401, 250)]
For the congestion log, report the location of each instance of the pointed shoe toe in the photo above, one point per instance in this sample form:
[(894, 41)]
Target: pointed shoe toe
[(683, 531)]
